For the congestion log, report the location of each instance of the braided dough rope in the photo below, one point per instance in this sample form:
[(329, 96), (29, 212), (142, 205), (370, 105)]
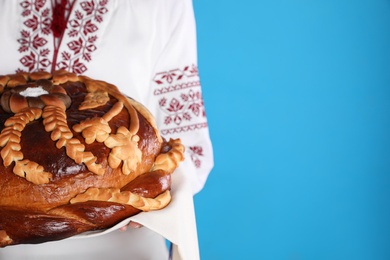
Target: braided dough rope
[(124, 197), (166, 162), (55, 122), (10, 141)]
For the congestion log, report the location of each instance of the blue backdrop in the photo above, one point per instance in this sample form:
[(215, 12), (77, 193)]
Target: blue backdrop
[(298, 99)]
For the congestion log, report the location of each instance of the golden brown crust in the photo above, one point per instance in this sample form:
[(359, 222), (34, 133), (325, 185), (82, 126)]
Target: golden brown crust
[(40, 75), (4, 238), (82, 156), (4, 80), (94, 99), (17, 79), (63, 76), (124, 197)]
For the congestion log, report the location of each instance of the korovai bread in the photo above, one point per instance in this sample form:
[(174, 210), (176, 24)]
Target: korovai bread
[(76, 155)]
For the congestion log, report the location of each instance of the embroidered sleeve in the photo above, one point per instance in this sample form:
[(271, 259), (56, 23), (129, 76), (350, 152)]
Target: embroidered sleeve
[(177, 94)]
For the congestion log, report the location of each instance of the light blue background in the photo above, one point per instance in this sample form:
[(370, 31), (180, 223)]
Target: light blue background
[(298, 101)]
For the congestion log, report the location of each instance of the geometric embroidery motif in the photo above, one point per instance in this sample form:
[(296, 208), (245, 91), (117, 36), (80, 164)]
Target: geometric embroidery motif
[(82, 30), (196, 152), (176, 74), (180, 98), (34, 37), (184, 108), (38, 55)]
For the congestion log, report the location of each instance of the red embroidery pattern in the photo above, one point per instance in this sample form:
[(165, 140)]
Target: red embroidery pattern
[(33, 40), (186, 128), (196, 152), (82, 28), (39, 55), (169, 77), (177, 87), (184, 109), (181, 99)]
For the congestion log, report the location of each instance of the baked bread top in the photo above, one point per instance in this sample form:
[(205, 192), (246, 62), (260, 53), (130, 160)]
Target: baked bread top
[(76, 155)]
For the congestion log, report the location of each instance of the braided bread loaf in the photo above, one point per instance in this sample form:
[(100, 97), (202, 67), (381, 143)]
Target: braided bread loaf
[(76, 156)]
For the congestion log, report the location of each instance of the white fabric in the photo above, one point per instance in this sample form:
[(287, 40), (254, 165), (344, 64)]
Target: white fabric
[(145, 47), (113, 246)]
